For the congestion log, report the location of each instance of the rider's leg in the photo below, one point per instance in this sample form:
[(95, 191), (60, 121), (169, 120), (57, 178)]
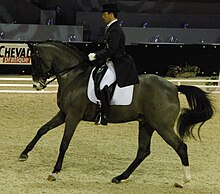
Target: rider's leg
[(98, 75), (105, 101)]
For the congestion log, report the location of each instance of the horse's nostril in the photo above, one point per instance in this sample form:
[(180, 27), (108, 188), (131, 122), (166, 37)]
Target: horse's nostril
[(34, 86)]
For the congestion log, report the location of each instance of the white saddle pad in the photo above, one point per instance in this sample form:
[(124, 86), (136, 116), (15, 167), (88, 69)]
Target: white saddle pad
[(121, 96)]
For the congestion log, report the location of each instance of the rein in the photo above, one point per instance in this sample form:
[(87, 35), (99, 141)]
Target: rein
[(63, 72)]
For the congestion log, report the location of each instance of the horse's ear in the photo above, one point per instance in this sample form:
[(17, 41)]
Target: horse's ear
[(31, 46)]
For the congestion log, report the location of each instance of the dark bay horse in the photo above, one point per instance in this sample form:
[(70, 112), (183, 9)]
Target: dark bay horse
[(155, 105)]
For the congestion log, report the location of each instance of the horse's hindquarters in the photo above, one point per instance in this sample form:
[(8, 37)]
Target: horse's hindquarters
[(157, 101)]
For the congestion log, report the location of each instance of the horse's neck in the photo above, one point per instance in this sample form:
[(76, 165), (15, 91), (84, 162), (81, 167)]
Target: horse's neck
[(75, 70), (73, 77)]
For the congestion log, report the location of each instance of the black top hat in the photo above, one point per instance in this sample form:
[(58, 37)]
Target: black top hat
[(110, 7)]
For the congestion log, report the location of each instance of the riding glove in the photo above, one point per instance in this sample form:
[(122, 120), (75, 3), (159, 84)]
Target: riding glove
[(92, 56)]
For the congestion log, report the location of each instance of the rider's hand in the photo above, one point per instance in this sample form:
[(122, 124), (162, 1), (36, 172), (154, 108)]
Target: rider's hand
[(92, 56)]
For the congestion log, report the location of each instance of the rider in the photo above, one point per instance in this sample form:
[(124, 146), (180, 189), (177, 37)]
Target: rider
[(114, 52)]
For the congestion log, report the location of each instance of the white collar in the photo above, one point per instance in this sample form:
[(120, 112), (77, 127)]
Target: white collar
[(109, 24)]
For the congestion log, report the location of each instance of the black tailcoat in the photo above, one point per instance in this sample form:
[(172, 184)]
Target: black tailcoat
[(126, 73)]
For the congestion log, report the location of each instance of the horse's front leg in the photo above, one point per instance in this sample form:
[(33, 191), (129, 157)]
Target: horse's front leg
[(57, 120), (70, 126)]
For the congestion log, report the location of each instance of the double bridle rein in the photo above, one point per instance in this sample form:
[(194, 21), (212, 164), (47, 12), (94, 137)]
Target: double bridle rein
[(49, 73)]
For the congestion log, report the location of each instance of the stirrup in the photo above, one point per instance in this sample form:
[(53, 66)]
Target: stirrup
[(98, 119)]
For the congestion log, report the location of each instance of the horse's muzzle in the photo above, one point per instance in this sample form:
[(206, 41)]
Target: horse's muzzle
[(39, 85)]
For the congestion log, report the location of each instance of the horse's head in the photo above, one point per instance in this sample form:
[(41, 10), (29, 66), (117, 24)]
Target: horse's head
[(41, 67), (53, 58)]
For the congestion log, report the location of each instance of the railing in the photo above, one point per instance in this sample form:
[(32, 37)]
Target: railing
[(209, 88), (24, 85)]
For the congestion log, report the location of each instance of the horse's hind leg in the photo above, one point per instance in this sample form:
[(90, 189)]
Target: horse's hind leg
[(144, 139), (57, 120), (180, 147)]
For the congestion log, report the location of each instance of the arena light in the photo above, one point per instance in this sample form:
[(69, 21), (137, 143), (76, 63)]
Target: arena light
[(173, 39), (202, 40), (185, 25), (157, 38), (50, 21), (58, 9), (2, 35), (20, 37), (72, 38), (121, 23), (145, 25)]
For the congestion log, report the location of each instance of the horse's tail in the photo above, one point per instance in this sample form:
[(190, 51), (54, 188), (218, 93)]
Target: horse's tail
[(201, 110)]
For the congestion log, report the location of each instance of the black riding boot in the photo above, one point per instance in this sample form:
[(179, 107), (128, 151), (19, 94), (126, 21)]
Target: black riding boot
[(105, 101), (97, 75)]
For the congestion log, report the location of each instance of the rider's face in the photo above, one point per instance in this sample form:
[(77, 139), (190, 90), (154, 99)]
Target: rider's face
[(107, 17)]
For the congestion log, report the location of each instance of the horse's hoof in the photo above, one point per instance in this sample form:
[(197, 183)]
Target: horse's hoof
[(116, 180), (178, 185), (23, 157), (52, 177), (187, 179)]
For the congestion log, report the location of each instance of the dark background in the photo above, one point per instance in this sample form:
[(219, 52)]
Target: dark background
[(158, 13), (29, 11), (153, 59)]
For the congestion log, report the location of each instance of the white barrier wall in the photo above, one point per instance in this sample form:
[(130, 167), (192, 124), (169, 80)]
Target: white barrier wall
[(24, 85), (144, 27), (164, 35)]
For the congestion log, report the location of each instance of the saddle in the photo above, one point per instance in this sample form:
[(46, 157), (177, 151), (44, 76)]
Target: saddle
[(119, 96), (97, 76)]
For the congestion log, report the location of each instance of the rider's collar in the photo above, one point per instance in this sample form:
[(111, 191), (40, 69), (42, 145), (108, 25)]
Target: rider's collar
[(109, 24)]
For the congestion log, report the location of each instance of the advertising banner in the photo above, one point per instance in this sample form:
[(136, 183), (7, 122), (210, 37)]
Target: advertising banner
[(14, 54)]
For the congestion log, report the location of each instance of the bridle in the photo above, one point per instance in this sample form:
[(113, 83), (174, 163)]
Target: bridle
[(49, 70), (37, 69)]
